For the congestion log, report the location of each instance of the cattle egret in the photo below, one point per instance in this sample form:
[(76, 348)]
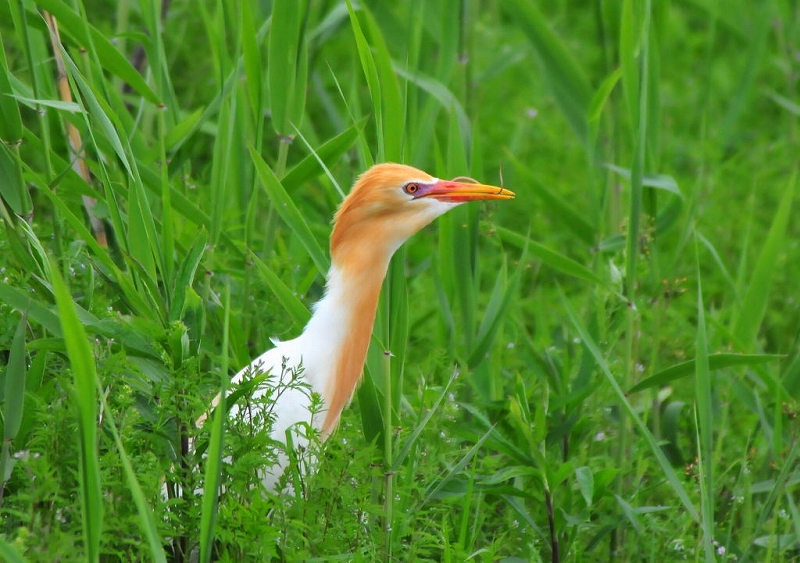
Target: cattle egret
[(387, 205)]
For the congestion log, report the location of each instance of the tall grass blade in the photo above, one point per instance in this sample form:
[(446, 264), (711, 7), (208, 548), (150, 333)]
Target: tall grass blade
[(85, 381), (601, 95), (322, 157), (550, 257), (289, 213), (392, 125), (285, 45), (371, 74), (756, 297)]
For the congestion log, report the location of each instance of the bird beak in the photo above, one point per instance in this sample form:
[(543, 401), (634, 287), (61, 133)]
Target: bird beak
[(452, 191)]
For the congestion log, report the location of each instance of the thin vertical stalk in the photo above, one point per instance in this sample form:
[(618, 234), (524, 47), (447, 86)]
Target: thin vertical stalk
[(634, 217), (388, 453)]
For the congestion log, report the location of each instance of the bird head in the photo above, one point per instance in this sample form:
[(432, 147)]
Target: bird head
[(391, 202)]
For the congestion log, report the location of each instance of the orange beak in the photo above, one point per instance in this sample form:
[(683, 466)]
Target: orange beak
[(452, 191)]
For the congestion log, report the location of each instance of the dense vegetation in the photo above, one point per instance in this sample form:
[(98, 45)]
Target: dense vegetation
[(604, 369)]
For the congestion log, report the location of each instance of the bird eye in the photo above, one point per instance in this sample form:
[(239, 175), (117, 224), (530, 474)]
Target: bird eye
[(411, 188)]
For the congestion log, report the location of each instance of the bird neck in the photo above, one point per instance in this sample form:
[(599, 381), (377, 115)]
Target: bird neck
[(342, 322)]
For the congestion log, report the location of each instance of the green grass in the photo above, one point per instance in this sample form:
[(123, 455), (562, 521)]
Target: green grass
[(604, 369)]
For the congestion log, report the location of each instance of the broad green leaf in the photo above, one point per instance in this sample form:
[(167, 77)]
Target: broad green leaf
[(659, 181), (12, 188), (60, 105), (15, 383), (182, 130), (511, 472), (585, 479), (550, 257), (715, 362)]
